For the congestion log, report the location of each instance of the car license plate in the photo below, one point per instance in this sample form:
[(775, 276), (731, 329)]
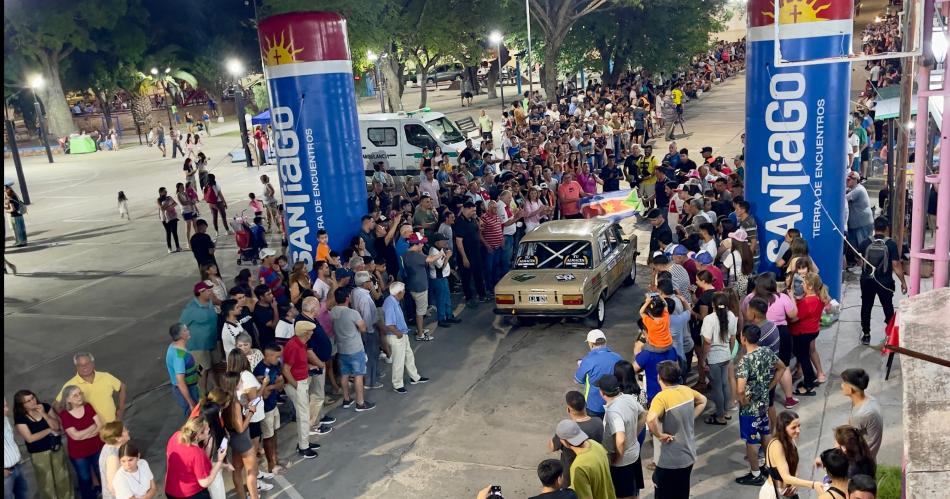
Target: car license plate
[(537, 299)]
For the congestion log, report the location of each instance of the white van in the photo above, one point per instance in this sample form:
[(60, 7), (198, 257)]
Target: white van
[(397, 139)]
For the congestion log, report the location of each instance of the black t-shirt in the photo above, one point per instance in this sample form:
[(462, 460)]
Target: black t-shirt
[(611, 178), (661, 234), (630, 168), (594, 428), (246, 319), (468, 231), (662, 199), (558, 494), (467, 154), (262, 315), (201, 244), (318, 342), (43, 444), (893, 255), (688, 165)]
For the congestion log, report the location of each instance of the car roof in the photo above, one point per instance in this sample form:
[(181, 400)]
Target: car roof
[(567, 230)]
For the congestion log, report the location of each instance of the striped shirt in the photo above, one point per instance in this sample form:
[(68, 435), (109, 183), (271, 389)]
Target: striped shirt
[(11, 453), (491, 230)]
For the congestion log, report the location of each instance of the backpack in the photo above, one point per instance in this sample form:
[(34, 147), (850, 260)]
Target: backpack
[(878, 256), (211, 197)]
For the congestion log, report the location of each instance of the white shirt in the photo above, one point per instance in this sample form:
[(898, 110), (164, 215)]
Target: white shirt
[(440, 267), (710, 246), (284, 330), (229, 334), (131, 485), (508, 230), (432, 187), (249, 382), (11, 453), (321, 289)]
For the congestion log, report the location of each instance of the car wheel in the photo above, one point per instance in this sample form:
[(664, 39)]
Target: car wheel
[(632, 278), (458, 78), (596, 318), (517, 321), (430, 81)]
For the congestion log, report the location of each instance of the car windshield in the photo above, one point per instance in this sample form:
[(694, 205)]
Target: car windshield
[(554, 255), (443, 129)]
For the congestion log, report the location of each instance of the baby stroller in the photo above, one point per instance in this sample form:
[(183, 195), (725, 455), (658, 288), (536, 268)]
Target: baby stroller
[(242, 237)]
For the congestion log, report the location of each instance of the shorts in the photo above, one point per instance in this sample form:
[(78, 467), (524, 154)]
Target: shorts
[(202, 359), (240, 443), (353, 364), (255, 430), (270, 424), (422, 302), (161, 142), (638, 132), (647, 190), (189, 216), (753, 428), (486, 135), (628, 480), (467, 95)]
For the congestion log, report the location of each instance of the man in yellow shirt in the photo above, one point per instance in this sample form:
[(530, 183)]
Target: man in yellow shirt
[(678, 99), (646, 166), (97, 387), (590, 471)]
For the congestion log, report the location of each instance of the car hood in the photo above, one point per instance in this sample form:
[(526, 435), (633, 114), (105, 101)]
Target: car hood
[(543, 280)]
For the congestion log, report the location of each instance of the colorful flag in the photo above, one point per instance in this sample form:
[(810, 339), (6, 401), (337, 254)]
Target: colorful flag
[(613, 206)]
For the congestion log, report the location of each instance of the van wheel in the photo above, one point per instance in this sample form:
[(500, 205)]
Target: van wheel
[(596, 318)]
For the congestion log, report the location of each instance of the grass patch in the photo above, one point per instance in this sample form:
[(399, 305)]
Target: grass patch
[(888, 482)]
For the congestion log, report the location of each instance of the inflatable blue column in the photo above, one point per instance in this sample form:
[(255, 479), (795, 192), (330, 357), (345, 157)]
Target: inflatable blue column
[(797, 129), (316, 128)]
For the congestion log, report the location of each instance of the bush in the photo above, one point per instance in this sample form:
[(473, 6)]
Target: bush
[(889, 481)]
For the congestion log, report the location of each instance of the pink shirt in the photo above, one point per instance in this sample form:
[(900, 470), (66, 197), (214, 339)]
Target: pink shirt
[(778, 310)]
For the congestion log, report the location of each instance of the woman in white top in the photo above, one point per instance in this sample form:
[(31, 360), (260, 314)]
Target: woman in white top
[(736, 257), (534, 209), (254, 356), (719, 336), (134, 479), (114, 435), (243, 420), (219, 290), (231, 328)]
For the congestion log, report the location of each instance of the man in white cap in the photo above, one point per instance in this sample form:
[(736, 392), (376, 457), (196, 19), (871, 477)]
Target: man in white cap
[(599, 361), (590, 471)]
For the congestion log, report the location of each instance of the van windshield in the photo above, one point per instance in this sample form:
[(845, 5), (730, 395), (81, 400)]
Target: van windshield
[(554, 255), (445, 131)]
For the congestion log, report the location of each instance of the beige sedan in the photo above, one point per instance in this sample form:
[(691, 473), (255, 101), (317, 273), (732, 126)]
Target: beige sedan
[(567, 268)]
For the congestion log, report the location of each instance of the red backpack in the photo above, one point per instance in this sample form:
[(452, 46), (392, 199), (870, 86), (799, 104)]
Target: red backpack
[(211, 197)]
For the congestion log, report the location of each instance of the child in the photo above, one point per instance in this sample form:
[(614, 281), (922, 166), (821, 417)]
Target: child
[(124, 207), (258, 234), (256, 205), (656, 322), (323, 246), (284, 330), (268, 373), (805, 330)]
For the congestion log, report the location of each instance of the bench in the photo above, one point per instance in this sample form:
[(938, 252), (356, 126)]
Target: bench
[(467, 125)]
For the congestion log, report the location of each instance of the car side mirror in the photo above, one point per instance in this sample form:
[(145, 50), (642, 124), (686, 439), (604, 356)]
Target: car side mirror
[(625, 240)]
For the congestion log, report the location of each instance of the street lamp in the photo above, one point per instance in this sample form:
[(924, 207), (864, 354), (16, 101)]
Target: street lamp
[(236, 69), (10, 125), (168, 109), (496, 38), (374, 58), (37, 81), (527, 11)]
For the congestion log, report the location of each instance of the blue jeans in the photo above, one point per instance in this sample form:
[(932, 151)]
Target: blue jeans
[(15, 486), (371, 346), (441, 298), (85, 467), (507, 250), (492, 267), (858, 235), (19, 229), (180, 400)]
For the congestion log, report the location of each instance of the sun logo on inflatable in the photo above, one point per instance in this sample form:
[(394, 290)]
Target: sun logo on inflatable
[(282, 52), (800, 11)]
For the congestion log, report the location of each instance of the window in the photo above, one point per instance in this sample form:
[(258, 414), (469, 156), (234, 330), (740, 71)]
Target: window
[(554, 255), (445, 130), (382, 137), (418, 136)]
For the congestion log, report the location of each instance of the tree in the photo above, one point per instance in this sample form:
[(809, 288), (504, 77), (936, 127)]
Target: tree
[(141, 85), (45, 34)]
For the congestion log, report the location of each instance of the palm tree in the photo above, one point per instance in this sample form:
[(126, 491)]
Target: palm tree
[(141, 86)]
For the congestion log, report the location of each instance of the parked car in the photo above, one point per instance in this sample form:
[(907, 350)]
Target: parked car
[(445, 72), (567, 268)]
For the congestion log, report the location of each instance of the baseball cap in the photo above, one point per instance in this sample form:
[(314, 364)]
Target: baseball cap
[(609, 385), (203, 285), (417, 238), (708, 149), (266, 252), (363, 277), (654, 213), (595, 335), (570, 431), (543, 185), (677, 250), (342, 273), (703, 257), (301, 327), (739, 235), (438, 237)]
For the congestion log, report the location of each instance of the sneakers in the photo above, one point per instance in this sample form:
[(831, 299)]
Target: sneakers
[(264, 486), (375, 386), (445, 324), (321, 429), (866, 339), (263, 475), (307, 453), (401, 390), (453, 320), (749, 479), (422, 379), (366, 406), (328, 419), (790, 402), (347, 404)]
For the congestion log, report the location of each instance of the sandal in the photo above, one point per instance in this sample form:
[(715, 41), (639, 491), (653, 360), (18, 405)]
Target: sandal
[(801, 391), (424, 337), (712, 420)]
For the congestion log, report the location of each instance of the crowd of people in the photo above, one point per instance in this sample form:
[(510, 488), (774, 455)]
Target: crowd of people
[(305, 338)]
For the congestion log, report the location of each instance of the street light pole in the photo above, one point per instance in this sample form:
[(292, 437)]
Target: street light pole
[(372, 57), (37, 82), (236, 69), (15, 151), (168, 109), (527, 11), (497, 38)]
